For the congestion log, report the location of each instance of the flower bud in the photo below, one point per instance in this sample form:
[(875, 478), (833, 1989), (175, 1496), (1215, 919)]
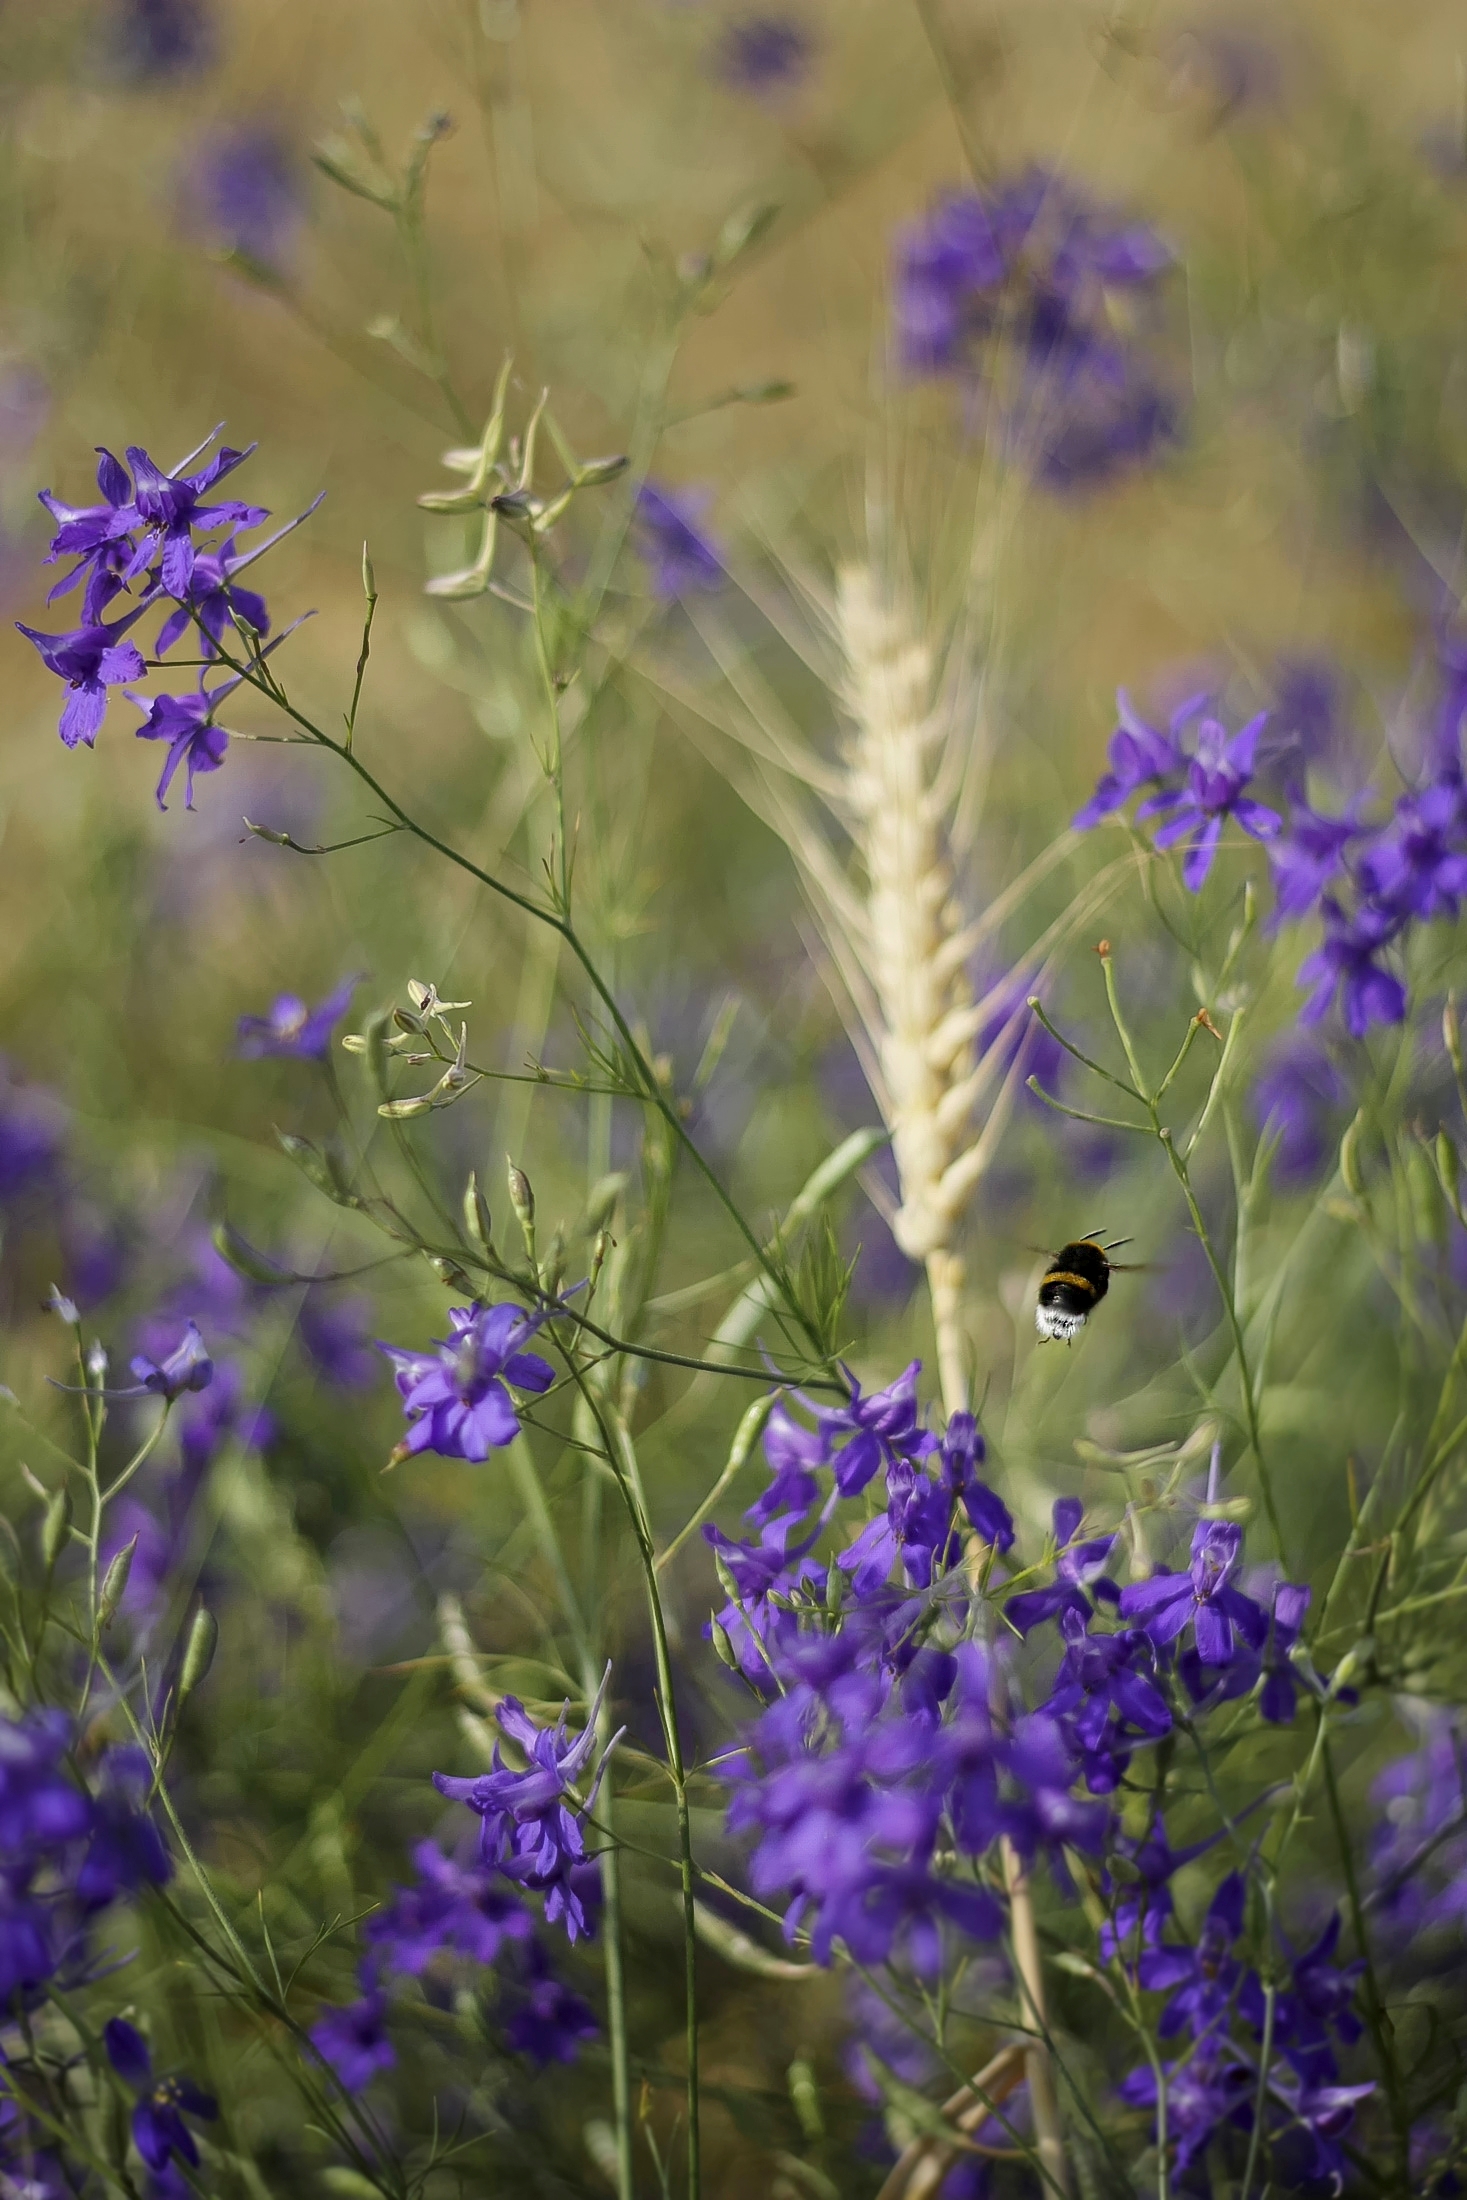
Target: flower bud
[(1452, 1034), (592, 472), (729, 1585), (552, 1268), (203, 1641), (522, 1199), (723, 1648), (114, 1586), (477, 1222), (96, 1362), (1350, 1168)]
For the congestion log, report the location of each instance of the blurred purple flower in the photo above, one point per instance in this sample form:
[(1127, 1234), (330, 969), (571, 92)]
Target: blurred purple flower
[(1307, 856), (1416, 866), (292, 1031), (32, 1140), (1105, 1699), (763, 54), (152, 40), (456, 1399), (1297, 1098), (242, 192), (546, 2021), (335, 1335), (125, 1851), (761, 1571), (354, 2040), (158, 2126), (90, 660), (1345, 964), (1203, 2089), (462, 1908), (680, 558), (1217, 777), (1305, 715)]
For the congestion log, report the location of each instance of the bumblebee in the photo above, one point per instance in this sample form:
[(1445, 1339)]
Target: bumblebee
[(1073, 1285)]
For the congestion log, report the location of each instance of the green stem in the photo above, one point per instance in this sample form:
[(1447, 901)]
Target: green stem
[(1375, 2009)]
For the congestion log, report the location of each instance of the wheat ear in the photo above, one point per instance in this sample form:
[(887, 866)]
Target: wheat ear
[(917, 947)]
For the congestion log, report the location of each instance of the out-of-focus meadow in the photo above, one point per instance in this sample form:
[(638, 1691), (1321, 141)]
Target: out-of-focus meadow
[(170, 257)]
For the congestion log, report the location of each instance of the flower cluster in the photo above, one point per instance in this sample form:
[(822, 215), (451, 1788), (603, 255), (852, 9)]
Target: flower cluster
[(1016, 286), (148, 540), (66, 1853), (1369, 882), (457, 1399)]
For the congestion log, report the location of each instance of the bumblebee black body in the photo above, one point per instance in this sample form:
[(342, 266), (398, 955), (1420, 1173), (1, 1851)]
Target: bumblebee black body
[(1073, 1285)]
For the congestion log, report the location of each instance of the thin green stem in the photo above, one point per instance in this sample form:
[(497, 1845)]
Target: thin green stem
[(1375, 2009)]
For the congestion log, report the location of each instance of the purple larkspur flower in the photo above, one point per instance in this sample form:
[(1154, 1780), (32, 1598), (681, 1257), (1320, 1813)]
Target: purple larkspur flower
[(1308, 855), (764, 53), (187, 1367), (794, 1453), (125, 1851), (241, 191), (353, 2040), (186, 723), (1204, 1596), (546, 2020), (32, 1142), (1418, 1853), (1105, 1698), (1140, 755), (90, 660), (876, 1426), (170, 509), (158, 2128), (1317, 2007), (1203, 1982), (156, 39), (292, 1031), (335, 1335), (1416, 866), (456, 1398), (963, 1450), (98, 536), (463, 1908), (1345, 964), (680, 558), (1296, 1101), (1270, 1662), (1207, 2088), (1217, 777), (529, 1831), (760, 1571), (1079, 1573), (1305, 714), (214, 601)]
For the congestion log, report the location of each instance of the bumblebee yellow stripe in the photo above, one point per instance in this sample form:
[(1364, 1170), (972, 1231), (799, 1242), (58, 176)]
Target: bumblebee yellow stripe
[(1062, 1275)]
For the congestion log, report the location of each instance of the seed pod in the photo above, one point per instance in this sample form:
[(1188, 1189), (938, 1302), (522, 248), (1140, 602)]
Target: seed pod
[(1452, 1034), (552, 1269), (1350, 1168), (56, 1527), (114, 1586), (730, 1586), (203, 1641), (522, 1199), (723, 1648), (477, 1221), (601, 1205)]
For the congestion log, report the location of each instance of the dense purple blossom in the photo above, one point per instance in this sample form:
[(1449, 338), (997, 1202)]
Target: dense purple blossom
[(98, 536), (874, 1427), (1204, 2089), (1202, 1982), (680, 558), (215, 601), (457, 1399), (529, 1830), (1105, 1698), (962, 1452), (169, 509), (772, 1566), (292, 1031), (1416, 866), (1308, 856), (124, 1851), (158, 2126), (186, 723), (353, 2040), (1079, 1574)]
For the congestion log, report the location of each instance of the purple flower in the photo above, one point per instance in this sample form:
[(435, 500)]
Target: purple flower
[(1141, 755), (334, 1334), (292, 1031), (40, 1809), (242, 192), (1306, 2153), (1205, 1981), (1345, 963), (1104, 1698), (170, 508), (186, 723), (875, 1426), (794, 1453), (1204, 1596), (354, 2040), (1296, 1100), (155, 39), (1306, 713), (90, 660), (125, 1852), (944, 269), (761, 1571), (214, 602), (527, 1830), (1079, 1573), (1417, 865), (1204, 2089), (464, 1909), (962, 1450), (456, 1399), (679, 556), (98, 536), (187, 1367), (547, 2021), (1216, 778), (763, 54), (1307, 856), (158, 2126)]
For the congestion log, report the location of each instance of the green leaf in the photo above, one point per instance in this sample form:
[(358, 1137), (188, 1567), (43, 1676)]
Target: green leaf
[(321, 1168), (244, 1260)]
